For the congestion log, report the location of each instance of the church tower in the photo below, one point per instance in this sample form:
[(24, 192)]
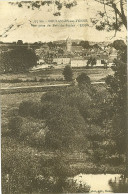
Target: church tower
[(69, 44)]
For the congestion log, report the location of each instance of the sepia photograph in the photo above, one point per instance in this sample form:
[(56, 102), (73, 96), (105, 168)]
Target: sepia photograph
[(63, 91)]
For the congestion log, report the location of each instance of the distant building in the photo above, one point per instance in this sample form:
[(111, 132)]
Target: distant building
[(78, 62), (66, 53), (101, 61), (77, 49), (62, 61), (43, 49)]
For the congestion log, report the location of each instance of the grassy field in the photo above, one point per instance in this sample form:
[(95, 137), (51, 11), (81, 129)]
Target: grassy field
[(51, 76), (10, 101)]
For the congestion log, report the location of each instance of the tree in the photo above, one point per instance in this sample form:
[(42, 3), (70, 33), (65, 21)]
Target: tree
[(48, 58), (83, 79), (119, 45), (84, 44), (20, 167), (66, 127), (19, 59), (61, 51), (91, 61), (118, 8), (67, 72), (20, 42), (117, 86)]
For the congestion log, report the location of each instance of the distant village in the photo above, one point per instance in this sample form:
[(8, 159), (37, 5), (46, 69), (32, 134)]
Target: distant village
[(76, 53)]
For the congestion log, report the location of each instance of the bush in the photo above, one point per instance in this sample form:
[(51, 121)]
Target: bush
[(33, 132), (4, 127), (51, 97), (65, 125), (68, 75), (30, 108), (14, 125), (83, 79), (19, 167), (11, 81), (19, 59), (115, 161)]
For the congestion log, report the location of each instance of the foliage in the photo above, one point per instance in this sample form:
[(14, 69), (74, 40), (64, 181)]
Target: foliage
[(119, 45), (91, 61), (53, 96), (19, 167), (106, 22), (83, 79), (68, 75), (65, 126), (30, 108), (117, 86), (33, 132), (15, 125), (84, 44), (24, 170), (19, 59), (65, 113), (119, 187), (48, 58)]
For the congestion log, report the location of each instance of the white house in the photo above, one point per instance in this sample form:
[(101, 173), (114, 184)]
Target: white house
[(78, 62), (62, 61)]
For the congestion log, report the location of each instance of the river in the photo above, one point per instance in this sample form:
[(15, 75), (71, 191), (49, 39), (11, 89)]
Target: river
[(99, 183)]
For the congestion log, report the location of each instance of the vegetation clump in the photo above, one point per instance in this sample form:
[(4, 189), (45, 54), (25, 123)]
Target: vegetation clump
[(68, 74)]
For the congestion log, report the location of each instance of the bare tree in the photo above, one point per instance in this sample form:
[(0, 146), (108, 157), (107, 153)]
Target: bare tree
[(115, 17)]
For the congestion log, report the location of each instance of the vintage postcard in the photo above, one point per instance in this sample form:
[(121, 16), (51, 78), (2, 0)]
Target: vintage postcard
[(63, 74)]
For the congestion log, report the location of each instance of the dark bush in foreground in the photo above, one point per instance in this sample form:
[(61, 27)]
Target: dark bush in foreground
[(33, 132), (68, 74), (30, 108), (19, 168), (54, 97), (14, 125), (65, 126), (83, 78)]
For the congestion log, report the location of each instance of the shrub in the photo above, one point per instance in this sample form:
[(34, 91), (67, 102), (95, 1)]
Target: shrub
[(41, 80), (51, 97), (115, 161), (83, 79), (30, 108), (19, 167), (68, 75), (4, 127), (14, 125), (11, 81), (65, 125), (33, 132)]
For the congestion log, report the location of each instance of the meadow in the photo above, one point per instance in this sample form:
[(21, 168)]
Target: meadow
[(50, 76)]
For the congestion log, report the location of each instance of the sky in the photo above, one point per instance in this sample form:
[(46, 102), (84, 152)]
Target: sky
[(28, 25)]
